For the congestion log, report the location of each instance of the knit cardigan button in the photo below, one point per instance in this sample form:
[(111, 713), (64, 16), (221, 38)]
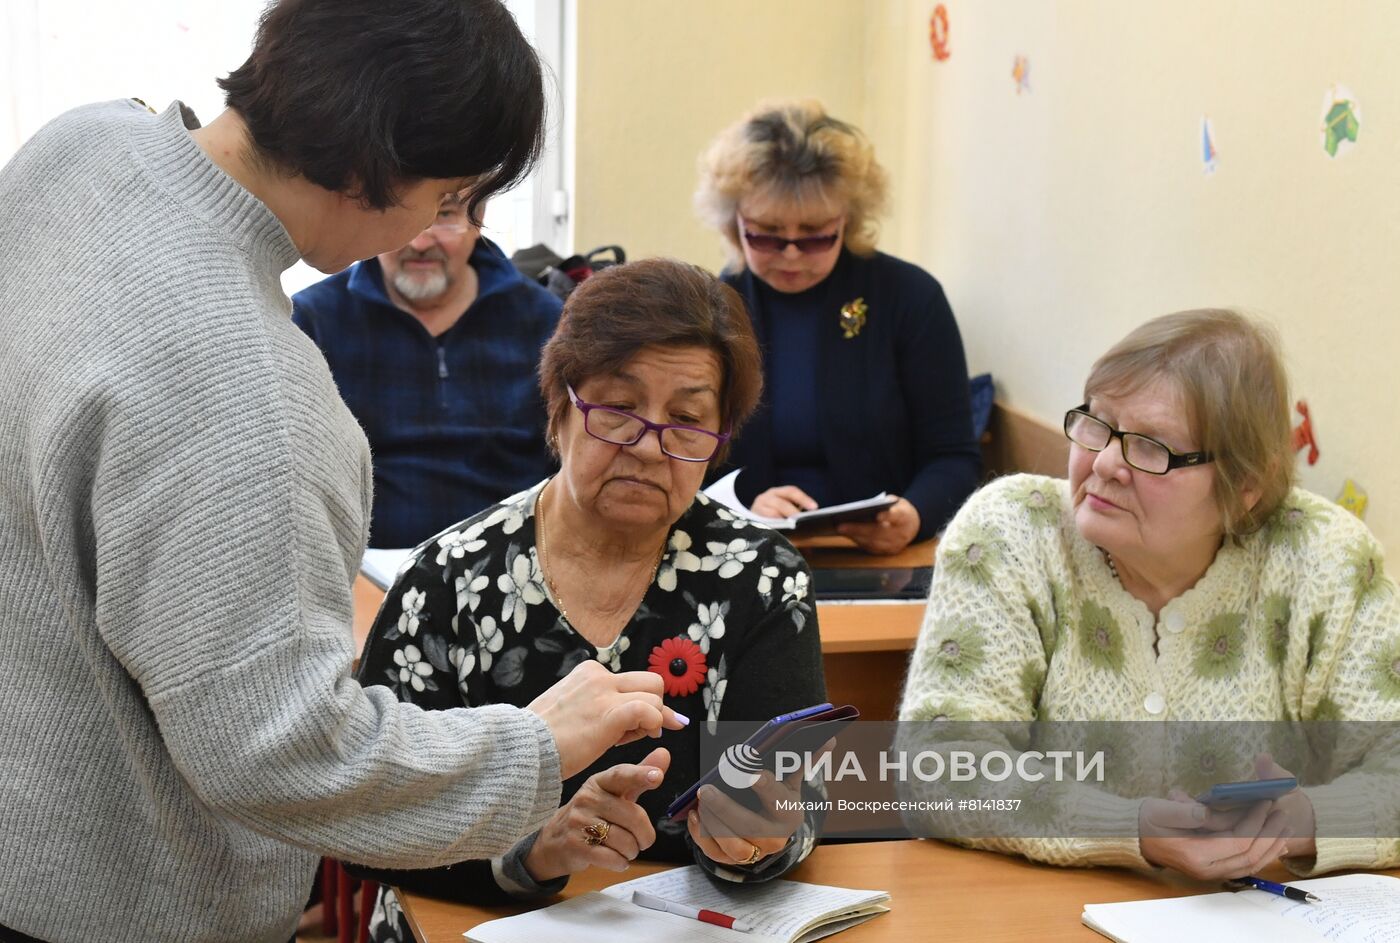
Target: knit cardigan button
[(1175, 622), (1155, 703)]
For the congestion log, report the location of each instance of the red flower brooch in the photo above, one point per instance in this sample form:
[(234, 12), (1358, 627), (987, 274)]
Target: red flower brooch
[(681, 665)]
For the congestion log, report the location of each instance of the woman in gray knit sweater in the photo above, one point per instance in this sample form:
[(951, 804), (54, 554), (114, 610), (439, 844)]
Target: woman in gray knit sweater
[(184, 497)]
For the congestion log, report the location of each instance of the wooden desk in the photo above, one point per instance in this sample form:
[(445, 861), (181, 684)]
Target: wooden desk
[(937, 891), (865, 646)]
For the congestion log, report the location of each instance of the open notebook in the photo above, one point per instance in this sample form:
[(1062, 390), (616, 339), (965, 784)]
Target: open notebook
[(1355, 908), (779, 911)]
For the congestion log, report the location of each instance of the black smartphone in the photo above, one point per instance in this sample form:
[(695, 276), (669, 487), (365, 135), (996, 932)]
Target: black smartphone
[(743, 762)]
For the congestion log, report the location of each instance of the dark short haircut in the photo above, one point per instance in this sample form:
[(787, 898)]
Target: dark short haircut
[(362, 96), (652, 303)]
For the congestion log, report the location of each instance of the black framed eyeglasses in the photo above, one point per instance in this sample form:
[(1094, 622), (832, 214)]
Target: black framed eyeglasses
[(1140, 451), (807, 245), (618, 427)]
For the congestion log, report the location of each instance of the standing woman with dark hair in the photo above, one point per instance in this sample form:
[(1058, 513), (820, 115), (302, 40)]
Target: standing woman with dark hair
[(867, 382), (184, 498)]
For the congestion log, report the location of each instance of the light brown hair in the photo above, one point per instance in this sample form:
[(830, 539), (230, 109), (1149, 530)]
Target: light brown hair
[(1234, 389)]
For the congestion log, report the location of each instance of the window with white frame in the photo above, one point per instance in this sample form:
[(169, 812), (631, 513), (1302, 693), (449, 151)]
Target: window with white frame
[(537, 210), (58, 54)]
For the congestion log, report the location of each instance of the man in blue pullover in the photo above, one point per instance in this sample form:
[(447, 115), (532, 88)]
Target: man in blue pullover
[(434, 349)]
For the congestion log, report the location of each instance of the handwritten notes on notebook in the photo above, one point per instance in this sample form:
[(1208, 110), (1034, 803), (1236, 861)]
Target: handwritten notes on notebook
[(1355, 908), (779, 911)]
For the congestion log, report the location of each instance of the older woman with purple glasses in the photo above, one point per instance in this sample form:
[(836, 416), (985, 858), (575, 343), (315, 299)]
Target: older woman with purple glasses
[(618, 559)]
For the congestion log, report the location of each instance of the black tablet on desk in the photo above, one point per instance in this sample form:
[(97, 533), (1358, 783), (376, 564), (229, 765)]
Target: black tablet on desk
[(872, 582)]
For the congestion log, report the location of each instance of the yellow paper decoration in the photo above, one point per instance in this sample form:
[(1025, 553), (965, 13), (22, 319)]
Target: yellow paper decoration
[(1353, 498)]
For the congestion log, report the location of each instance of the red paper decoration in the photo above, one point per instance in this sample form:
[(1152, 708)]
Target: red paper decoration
[(1303, 433), (938, 33)]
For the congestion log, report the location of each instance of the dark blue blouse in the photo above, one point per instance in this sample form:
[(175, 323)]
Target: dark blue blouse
[(891, 402), (798, 457)]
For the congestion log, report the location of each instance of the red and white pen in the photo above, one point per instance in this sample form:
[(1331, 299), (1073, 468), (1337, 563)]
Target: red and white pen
[(681, 910)]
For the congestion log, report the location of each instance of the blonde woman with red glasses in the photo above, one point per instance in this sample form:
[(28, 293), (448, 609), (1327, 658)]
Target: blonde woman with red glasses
[(867, 382)]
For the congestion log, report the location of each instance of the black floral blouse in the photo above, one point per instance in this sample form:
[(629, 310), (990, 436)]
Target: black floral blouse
[(728, 622)]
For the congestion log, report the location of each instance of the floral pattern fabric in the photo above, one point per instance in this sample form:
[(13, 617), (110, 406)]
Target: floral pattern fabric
[(470, 622)]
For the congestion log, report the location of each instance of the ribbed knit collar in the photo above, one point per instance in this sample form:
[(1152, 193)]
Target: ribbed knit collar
[(163, 144)]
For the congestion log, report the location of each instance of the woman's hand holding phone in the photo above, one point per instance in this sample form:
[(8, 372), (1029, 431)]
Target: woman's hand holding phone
[(1211, 844), (1298, 815), (728, 832)]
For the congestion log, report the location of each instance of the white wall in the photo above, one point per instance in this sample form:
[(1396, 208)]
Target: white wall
[(1058, 219), (658, 79), (1062, 218)]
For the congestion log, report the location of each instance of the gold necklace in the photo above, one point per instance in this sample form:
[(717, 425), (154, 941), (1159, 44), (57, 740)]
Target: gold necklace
[(544, 558)]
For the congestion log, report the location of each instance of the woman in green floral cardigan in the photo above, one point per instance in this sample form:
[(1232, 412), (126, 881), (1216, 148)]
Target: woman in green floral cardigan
[(1177, 575)]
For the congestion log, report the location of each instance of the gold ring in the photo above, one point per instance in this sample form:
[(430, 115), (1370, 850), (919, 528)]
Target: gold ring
[(597, 833), (753, 856)]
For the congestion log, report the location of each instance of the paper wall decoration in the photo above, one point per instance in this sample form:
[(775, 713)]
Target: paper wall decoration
[(1353, 498), (1209, 156), (1341, 120), (1021, 72), (938, 33), (1303, 433)]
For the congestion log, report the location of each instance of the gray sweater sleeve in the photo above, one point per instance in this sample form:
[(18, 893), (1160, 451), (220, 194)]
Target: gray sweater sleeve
[(229, 499)]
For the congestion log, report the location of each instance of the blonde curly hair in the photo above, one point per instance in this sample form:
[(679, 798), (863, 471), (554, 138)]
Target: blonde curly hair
[(792, 150)]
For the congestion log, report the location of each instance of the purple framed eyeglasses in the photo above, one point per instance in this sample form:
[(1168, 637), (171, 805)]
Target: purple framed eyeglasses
[(616, 427)]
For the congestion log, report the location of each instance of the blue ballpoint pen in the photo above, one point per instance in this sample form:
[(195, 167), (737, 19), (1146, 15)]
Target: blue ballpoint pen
[(1282, 890)]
